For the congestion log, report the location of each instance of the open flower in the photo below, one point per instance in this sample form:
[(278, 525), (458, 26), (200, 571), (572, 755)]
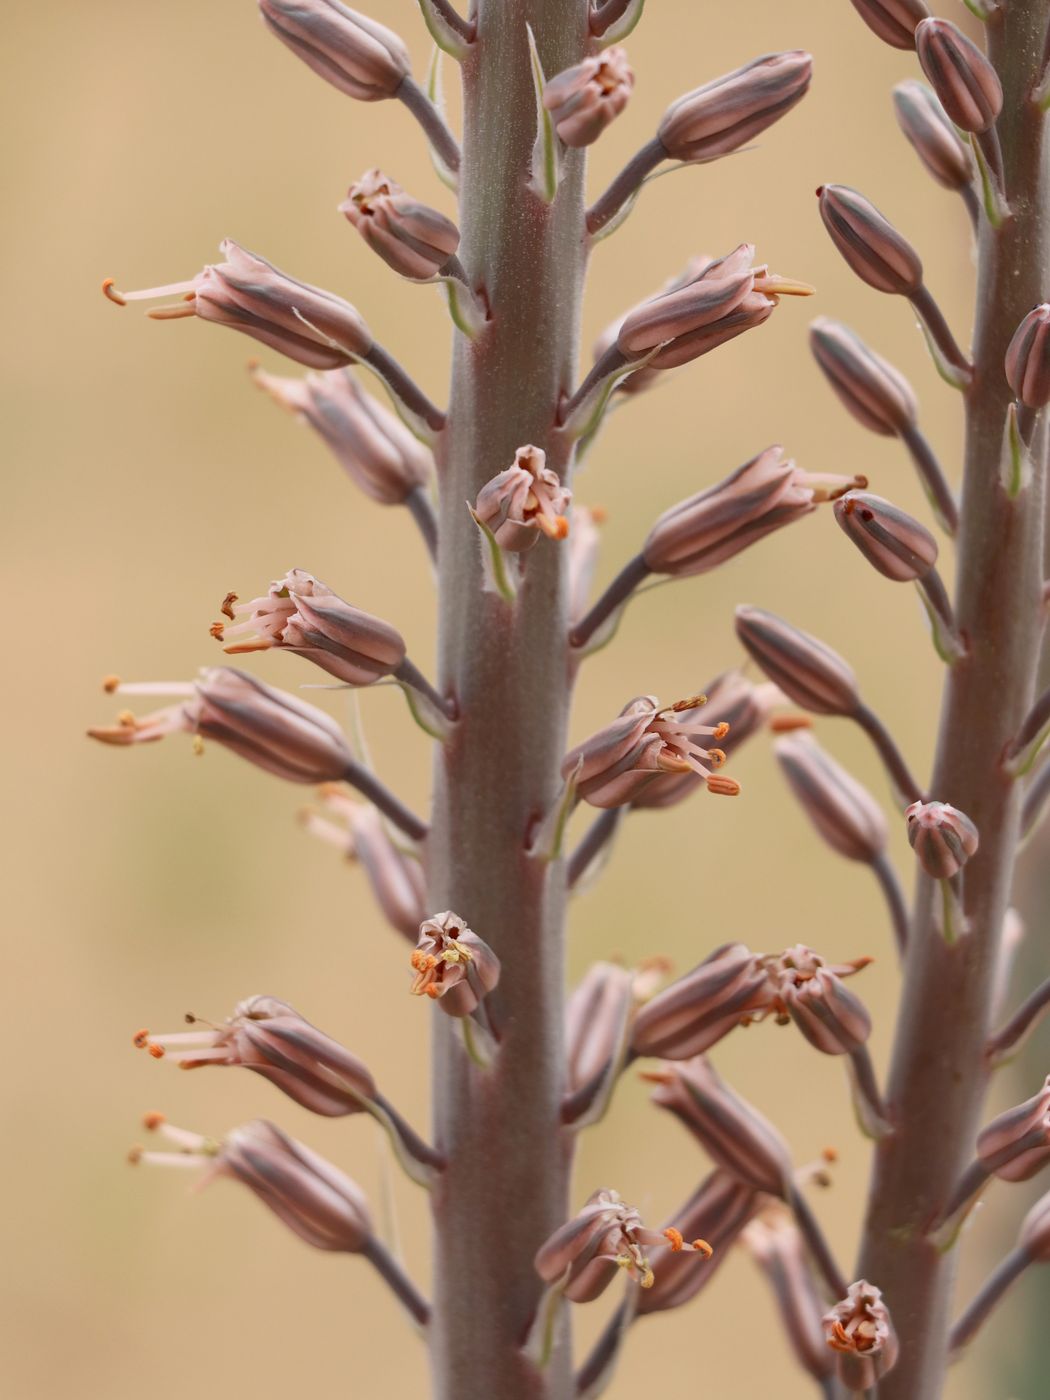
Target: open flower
[(859, 1330), (452, 965), (410, 237), (810, 992), (584, 99), (526, 498)]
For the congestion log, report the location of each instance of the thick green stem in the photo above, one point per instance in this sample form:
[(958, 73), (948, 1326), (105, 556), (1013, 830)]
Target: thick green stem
[(506, 1185), (939, 1070)]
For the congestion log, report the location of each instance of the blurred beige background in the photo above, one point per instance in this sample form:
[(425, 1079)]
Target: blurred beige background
[(147, 476)]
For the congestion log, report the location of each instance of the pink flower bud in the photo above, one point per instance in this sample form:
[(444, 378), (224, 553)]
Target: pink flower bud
[(867, 385), (1028, 359), (526, 498), (594, 1015), (615, 764), (270, 1037), (941, 836), (964, 79), (718, 1210), (807, 671), (895, 543), (776, 1246), (933, 137), (894, 21), (302, 615), (413, 239), (1035, 1231), (372, 446), (707, 529), (729, 988), (859, 1330), (725, 114), (584, 99), (452, 965), (868, 241), (1016, 1145), (831, 1018), (275, 731), (353, 53), (842, 811), (247, 293), (734, 1135), (584, 541)]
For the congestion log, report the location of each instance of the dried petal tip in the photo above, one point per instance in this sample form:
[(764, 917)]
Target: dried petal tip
[(413, 239), (843, 812), (895, 543), (1016, 1145), (453, 965), (941, 836), (807, 671), (525, 499), (963, 77), (894, 21), (869, 387), (725, 114), (584, 99), (867, 240), (1028, 358), (934, 139), (353, 53), (861, 1333)]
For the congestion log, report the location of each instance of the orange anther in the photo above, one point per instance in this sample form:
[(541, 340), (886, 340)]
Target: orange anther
[(723, 787), (109, 290), (702, 1247), (226, 606), (151, 1121), (110, 684), (717, 756), (433, 991), (830, 1154), (157, 1051), (673, 1238), (135, 1154), (140, 1039), (784, 724), (721, 730)]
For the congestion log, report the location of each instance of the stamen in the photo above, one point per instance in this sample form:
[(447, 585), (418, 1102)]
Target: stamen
[(702, 1247), (157, 1051), (226, 607), (109, 290), (784, 724), (177, 311), (721, 730), (723, 787), (674, 1239), (152, 1121), (140, 1039), (110, 684)]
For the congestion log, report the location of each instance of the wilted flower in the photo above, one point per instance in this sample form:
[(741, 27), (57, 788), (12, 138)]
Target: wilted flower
[(894, 21), (844, 813), (1028, 358), (890, 539), (963, 77), (868, 387), (805, 669), (584, 99), (453, 965), (723, 115), (526, 498), (583, 1256), (776, 1247), (309, 325), (941, 836), (932, 136), (302, 615), (859, 1330), (810, 991), (873, 248), (616, 763), (1016, 1145), (353, 53), (413, 239), (729, 988)]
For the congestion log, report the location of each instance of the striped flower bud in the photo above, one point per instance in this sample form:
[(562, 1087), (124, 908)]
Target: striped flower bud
[(963, 78), (776, 1247), (718, 1210), (1028, 358), (725, 114), (1016, 1145), (275, 731), (807, 671), (353, 53), (842, 812), (248, 294), (867, 386), (270, 1037), (828, 1014), (734, 1135), (895, 543), (413, 239), (894, 21), (764, 494), (729, 988), (1034, 1237), (452, 965), (941, 836), (614, 765), (932, 136), (860, 1332), (584, 99), (301, 614), (526, 499), (372, 446), (870, 244), (597, 1012)]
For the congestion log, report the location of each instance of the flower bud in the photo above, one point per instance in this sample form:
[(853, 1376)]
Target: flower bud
[(842, 811), (860, 1331), (733, 1134), (725, 114), (1016, 1145), (932, 136), (1028, 359), (718, 1210), (275, 731), (372, 446), (594, 1016), (353, 53), (941, 836), (895, 543), (704, 531), (729, 988), (1035, 1231), (831, 1018), (893, 21), (413, 239), (526, 498), (452, 965), (776, 1247), (584, 99), (302, 615), (963, 78), (807, 671), (613, 766), (868, 241), (867, 386), (584, 543)]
